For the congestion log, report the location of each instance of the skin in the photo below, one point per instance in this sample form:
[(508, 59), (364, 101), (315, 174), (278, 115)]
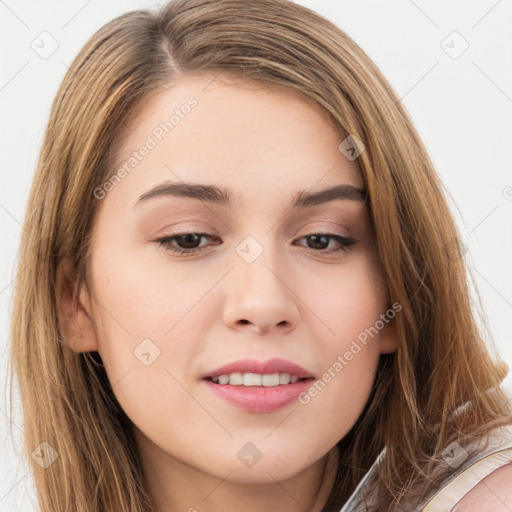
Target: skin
[(492, 494), (212, 308)]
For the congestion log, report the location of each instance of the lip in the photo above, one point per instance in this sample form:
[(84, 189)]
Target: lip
[(259, 399), (276, 365)]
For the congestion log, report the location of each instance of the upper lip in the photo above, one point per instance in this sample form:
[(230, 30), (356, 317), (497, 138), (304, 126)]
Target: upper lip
[(276, 365)]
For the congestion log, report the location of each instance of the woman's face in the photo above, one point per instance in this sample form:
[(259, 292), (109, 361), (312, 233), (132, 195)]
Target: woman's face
[(261, 290)]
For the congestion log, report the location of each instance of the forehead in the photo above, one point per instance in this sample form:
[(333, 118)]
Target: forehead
[(241, 134)]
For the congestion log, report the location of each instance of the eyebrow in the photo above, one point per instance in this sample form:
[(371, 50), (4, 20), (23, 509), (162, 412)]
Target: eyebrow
[(222, 196)]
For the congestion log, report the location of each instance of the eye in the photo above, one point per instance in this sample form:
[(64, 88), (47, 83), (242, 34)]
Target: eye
[(190, 242), (187, 242), (323, 240)]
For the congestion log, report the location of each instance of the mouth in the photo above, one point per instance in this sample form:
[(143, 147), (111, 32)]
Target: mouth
[(256, 379), (260, 387)]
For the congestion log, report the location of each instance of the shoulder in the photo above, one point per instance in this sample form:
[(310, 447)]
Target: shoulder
[(492, 494)]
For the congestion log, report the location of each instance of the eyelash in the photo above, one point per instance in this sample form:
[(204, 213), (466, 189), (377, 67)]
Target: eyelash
[(345, 242)]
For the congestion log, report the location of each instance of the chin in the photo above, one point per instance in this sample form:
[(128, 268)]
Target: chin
[(264, 465)]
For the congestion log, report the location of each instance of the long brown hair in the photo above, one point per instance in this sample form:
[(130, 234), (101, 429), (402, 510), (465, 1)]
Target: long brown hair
[(442, 361)]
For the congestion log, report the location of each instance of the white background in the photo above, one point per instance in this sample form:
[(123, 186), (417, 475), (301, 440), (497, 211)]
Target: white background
[(462, 108)]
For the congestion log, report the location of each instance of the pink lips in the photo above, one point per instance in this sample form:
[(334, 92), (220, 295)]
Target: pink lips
[(276, 365), (260, 399)]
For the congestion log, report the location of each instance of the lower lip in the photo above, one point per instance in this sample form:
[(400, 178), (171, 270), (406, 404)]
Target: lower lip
[(259, 398)]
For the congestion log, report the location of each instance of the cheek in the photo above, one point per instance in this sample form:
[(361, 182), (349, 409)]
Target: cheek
[(348, 302), (151, 324), (351, 306), (144, 296), (151, 330)]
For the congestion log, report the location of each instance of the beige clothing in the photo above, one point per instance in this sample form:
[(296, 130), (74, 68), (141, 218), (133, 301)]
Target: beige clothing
[(468, 471)]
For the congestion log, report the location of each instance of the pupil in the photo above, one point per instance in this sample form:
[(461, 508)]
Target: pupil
[(186, 239), (315, 240)]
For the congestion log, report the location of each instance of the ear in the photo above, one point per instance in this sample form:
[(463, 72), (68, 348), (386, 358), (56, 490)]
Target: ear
[(388, 340), (75, 313)]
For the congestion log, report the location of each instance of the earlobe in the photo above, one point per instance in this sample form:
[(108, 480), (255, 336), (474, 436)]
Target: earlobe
[(75, 315), (388, 342)]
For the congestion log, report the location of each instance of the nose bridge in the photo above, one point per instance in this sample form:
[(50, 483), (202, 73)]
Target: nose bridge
[(261, 263)]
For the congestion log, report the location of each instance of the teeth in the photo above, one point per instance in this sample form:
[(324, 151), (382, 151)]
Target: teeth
[(223, 379), (252, 379), (236, 379), (284, 378), (256, 379), (270, 380)]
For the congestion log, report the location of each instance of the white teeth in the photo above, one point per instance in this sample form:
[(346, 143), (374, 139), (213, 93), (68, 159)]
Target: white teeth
[(252, 379), (236, 379), (256, 379), (284, 378), (223, 379), (270, 380)]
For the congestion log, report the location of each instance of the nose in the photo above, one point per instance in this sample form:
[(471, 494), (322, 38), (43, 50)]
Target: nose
[(260, 297)]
